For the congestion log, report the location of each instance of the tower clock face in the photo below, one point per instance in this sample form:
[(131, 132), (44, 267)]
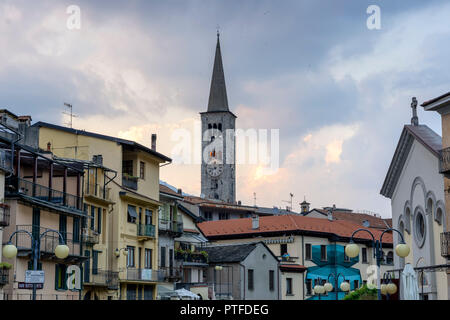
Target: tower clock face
[(214, 169)]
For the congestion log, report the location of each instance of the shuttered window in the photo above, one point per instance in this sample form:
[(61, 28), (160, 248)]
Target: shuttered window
[(76, 230), (250, 279), (271, 280), (99, 220), (92, 217), (60, 277)]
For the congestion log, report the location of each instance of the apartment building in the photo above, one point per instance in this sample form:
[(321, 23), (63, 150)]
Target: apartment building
[(129, 205)]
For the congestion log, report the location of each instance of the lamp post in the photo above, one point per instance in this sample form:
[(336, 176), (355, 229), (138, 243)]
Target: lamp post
[(61, 250), (345, 286), (388, 287), (352, 250), (319, 288)]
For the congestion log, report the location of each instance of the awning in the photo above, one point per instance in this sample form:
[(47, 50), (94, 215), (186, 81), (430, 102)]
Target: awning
[(132, 211), (192, 238)]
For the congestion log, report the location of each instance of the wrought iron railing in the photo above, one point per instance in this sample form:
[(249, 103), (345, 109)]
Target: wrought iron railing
[(146, 230), (445, 244), (171, 272), (169, 225), (191, 257), (4, 276), (48, 242), (130, 182), (40, 296), (89, 236), (34, 190), (97, 190), (5, 160), (136, 274), (444, 160), (103, 278), (4, 215)]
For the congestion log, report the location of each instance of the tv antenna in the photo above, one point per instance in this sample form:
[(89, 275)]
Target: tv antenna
[(289, 201), (70, 114), (254, 199)]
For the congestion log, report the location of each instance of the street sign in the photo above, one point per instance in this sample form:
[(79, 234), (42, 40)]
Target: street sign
[(24, 285), (34, 276)]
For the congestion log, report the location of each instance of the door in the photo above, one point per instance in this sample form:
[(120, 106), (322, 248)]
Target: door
[(148, 293), (131, 292), (171, 262)]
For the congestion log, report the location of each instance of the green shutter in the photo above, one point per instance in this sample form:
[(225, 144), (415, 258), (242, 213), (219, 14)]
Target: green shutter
[(76, 230), (99, 220)]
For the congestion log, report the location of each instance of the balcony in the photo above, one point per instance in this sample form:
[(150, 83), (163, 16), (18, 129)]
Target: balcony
[(145, 231), (48, 243), (193, 257), (287, 258), (130, 182), (102, 278), (445, 244), (136, 274), (5, 161), (4, 215), (4, 276), (17, 186), (97, 191), (444, 161), (175, 227), (171, 273), (90, 237)]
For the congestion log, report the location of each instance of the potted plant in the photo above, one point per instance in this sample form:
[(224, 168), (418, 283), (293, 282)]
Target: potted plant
[(205, 255), (5, 265), (363, 293)]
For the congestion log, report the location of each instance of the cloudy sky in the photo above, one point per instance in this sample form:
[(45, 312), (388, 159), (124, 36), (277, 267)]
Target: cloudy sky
[(338, 92)]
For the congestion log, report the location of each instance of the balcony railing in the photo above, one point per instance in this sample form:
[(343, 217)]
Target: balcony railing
[(103, 278), (97, 190), (4, 276), (136, 274), (171, 226), (40, 296), (146, 230), (34, 190), (48, 242), (444, 160), (4, 215), (171, 273), (5, 160), (445, 244), (130, 182), (90, 237), (191, 257)]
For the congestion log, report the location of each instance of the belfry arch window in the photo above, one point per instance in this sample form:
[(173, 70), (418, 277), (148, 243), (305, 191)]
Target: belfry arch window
[(215, 126), (219, 126)]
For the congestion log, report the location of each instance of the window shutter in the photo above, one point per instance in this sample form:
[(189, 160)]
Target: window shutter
[(99, 220)]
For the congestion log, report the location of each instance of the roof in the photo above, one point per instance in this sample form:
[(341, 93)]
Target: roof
[(242, 228), (190, 213), (218, 100), (358, 218), (292, 268), (273, 211), (427, 103), (232, 253), (169, 191), (421, 133), (218, 204), (104, 137)]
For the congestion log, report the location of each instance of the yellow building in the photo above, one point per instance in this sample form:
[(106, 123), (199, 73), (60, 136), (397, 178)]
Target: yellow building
[(128, 209)]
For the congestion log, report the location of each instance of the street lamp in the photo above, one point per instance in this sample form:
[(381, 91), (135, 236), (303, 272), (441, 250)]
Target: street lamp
[(402, 250), (388, 287), (61, 250), (345, 286), (117, 252), (319, 288)]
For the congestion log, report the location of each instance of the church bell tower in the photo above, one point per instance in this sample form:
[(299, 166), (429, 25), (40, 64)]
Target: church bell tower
[(218, 175)]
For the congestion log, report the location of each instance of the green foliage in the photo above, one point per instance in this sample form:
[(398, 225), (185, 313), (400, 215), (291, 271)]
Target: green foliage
[(363, 293), (5, 265)]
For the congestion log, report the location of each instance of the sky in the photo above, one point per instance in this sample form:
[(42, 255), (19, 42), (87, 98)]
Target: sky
[(338, 92)]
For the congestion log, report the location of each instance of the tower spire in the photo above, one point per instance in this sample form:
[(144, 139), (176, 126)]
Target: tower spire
[(415, 118), (218, 100)]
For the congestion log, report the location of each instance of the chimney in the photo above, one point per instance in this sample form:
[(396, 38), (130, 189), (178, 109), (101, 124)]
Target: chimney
[(330, 213), (49, 146), (255, 222), (154, 141), (414, 119), (180, 191)]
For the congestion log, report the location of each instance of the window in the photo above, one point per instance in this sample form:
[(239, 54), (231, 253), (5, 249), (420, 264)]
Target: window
[(131, 292), (127, 167), (148, 258), (130, 257), (92, 217), (148, 216), (163, 257), (390, 258), (283, 248), (419, 229), (208, 216), (250, 279), (132, 215), (142, 170), (76, 230), (224, 216), (60, 276), (63, 228), (323, 253), (356, 284), (364, 255), (308, 286), (219, 127), (271, 280), (288, 286), (99, 220), (308, 251), (94, 262)]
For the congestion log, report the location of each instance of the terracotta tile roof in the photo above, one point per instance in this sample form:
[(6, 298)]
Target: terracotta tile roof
[(165, 189), (359, 218), (285, 223), (202, 202), (292, 268), (191, 230)]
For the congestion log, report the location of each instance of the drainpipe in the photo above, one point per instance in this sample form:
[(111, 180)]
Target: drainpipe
[(244, 278), (303, 264)]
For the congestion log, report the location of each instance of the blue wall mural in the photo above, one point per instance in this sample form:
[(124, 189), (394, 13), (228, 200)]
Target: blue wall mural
[(334, 264)]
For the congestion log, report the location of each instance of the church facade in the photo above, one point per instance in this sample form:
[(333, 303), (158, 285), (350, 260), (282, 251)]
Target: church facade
[(218, 174)]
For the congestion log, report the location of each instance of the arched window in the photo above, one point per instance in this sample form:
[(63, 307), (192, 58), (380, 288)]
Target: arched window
[(209, 126), (439, 215), (215, 126), (219, 126), (419, 227)]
